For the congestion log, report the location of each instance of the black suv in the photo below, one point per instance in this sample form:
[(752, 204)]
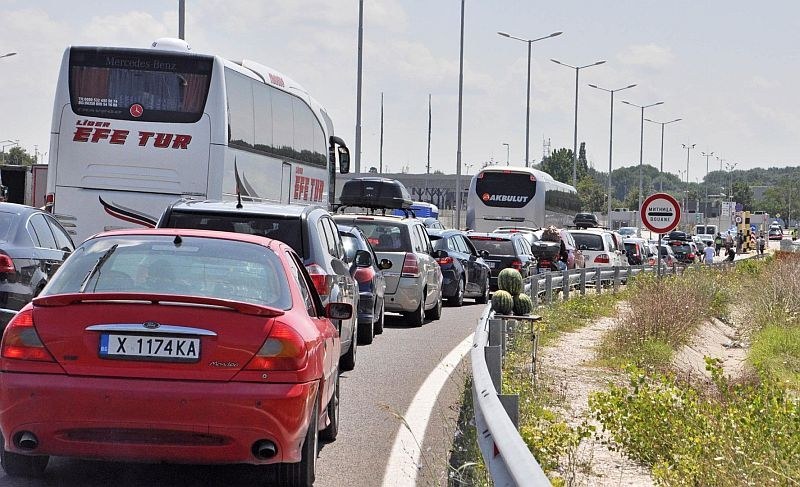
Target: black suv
[(504, 250), (585, 220), (309, 230)]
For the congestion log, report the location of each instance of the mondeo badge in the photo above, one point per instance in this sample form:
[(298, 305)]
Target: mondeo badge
[(151, 325)]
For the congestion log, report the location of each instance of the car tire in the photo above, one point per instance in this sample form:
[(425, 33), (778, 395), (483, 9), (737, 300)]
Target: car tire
[(348, 361), (484, 297), (379, 322), (332, 430), (26, 466), (436, 312), (417, 317), (458, 299), (366, 332), (303, 473)]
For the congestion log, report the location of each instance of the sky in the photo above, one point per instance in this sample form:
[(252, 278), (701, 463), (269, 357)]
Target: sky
[(727, 68)]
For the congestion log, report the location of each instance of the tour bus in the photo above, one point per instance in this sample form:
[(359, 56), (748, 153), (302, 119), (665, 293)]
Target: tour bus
[(137, 129), (506, 195)]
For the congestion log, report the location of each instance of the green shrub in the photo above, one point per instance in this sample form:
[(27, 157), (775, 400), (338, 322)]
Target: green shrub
[(737, 434)]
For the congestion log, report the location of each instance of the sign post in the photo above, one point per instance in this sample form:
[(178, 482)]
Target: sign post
[(660, 213)]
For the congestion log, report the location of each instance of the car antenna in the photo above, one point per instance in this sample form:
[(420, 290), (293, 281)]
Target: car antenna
[(238, 186), (178, 240)]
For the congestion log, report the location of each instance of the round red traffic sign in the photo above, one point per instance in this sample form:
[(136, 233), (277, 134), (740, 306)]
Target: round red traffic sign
[(660, 213)]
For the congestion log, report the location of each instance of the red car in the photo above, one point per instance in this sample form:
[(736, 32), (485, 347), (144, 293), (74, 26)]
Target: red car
[(168, 345)]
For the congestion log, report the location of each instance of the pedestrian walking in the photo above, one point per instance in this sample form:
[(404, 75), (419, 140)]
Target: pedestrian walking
[(718, 242), (709, 254), (739, 242), (761, 243)]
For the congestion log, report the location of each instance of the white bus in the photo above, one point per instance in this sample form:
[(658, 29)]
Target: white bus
[(137, 129), (519, 196)]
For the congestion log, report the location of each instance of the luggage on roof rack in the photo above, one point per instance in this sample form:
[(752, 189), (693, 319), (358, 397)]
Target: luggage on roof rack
[(375, 193)]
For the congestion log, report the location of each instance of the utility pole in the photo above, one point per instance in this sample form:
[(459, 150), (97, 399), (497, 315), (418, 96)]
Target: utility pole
[(358, 85), (705, 204), (380, 160), (429, 133), (181, 19), (460, 113)]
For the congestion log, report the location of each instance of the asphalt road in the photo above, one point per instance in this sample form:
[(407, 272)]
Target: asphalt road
[(373, 397)]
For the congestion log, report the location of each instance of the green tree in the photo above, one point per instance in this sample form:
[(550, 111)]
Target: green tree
[(18, 156), (631, 200), (743, 194), (592, 194), (559, 165)]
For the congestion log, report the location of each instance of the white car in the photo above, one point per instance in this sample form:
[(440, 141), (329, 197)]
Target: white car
[(599, 248)]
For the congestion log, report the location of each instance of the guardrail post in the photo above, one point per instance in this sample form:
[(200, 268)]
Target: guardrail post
[(628, 274), (583, 281), (535, 291), (494, 363), (598, 282), (510, 403), (497, 334), (565, 284), (615, 287), (548, 288)]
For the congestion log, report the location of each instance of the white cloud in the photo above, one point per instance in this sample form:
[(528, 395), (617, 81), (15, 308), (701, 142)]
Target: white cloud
[(647, 55)]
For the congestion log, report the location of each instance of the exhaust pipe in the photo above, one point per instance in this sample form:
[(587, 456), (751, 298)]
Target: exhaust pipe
[(27, 441), (264, 449)]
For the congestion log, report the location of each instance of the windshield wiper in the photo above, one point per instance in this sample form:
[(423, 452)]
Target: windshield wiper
[(96, 267)]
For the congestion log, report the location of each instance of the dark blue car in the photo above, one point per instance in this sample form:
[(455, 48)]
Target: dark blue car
[(465, 274)]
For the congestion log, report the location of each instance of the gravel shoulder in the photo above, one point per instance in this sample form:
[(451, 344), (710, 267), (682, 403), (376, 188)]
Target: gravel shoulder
[(568, 367)]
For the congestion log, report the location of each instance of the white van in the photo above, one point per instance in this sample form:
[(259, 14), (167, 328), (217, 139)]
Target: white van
[(599, 248)]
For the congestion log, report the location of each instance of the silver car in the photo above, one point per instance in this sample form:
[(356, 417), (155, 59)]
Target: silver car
[(414, 282)]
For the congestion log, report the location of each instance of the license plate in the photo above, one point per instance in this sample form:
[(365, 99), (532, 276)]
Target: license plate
[(491, 265), (149, 347)]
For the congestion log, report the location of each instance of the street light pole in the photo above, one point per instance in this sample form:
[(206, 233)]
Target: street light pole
[(661, 168), (641, 150), (705, 180), (460, 106), (528, 103), (575, 132), (610, 144), (358, 85), (507, 151), (688, 148), (9, 54)]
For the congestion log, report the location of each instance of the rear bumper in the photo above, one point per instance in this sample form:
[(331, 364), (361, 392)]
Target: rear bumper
[(155, 421), (406, 297)]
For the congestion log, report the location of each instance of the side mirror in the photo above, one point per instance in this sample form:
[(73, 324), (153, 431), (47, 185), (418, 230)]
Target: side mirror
[(339, 311), (344, 160), (385, 264), (440, 254), (484, 253), (363, 258), (339, 267)]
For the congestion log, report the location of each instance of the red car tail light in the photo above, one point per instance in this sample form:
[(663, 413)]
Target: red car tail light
[(284, 349), (49, 201), (602, 259), (516, 264), (691, 255), (410, 266), (322, 281), (7, 264), (21, 342), (445, 260)]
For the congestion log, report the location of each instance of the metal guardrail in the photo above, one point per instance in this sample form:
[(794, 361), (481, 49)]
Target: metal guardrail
[(508, 458)]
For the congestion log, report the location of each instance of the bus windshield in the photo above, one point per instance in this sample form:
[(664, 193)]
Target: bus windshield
[(127, 84), (505, 189)]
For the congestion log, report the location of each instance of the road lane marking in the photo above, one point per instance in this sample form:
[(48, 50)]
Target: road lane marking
[(404, 461)]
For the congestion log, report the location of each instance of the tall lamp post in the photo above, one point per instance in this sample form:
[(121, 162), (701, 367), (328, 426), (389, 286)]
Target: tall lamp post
[(358, 84), (684, 192), (661, 168), (575, 132), (8, 54), (460, 107), (730, 167), (641, 148), (688, 148), (508, 151), (528, 106), (705, 180), (610, 142)]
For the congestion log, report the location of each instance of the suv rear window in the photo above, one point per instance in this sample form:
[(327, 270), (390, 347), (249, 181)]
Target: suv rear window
[(586, 241), (287, 230), (386, 236), (494, 246)]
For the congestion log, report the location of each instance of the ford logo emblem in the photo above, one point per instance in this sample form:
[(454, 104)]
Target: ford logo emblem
[(151, 325)]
